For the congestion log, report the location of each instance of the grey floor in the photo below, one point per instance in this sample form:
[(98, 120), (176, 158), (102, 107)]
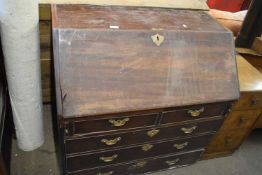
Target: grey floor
[(246, 161)]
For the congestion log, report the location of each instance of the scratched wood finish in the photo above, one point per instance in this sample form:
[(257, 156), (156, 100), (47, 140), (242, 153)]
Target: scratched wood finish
[(102, 70), (166, 132), (145, 166), (97, 17), (93, 160), (84, 144)]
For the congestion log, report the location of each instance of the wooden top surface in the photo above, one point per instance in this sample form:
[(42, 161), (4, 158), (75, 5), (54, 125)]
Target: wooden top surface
[(250, 79), (102, 71), (98, 17), (178, 4)]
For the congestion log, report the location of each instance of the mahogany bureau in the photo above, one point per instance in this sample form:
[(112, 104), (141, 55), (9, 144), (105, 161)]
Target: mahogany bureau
[(138, 90)]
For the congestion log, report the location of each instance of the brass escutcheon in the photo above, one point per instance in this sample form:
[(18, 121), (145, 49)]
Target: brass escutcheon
[(119, 122), (111, 142), (157, 39), (196, 113)]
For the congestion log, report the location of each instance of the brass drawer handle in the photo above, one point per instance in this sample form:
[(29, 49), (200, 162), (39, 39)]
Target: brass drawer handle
[(172, 162), (111, 142), (158, 39), (188, 130), (196, 113), (153, 132), (109, 173), (119, 123), (140, 164), (181, 146), (109, 159), (147, 147)]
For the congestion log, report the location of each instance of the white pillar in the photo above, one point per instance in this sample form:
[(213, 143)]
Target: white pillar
[(20, 41)]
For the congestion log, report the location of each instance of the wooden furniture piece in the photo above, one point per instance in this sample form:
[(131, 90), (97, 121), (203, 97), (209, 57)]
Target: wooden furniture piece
[(243, 116), (255, 59), (138, 89)]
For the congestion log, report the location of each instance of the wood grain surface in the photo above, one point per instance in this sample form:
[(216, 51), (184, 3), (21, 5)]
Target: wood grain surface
[(177, 4), (131, 18), (101, 70), (150, 165), (250, 79)]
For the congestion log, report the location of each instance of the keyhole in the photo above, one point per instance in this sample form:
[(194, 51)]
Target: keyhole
[(157, 38)]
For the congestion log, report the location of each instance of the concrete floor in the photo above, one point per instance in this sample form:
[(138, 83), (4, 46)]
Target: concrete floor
[(246, 161)]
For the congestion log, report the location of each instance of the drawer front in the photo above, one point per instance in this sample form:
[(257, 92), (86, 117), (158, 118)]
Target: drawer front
[(258, 123), (111, 124), (138, 152), (249, 101), (227, 140), (146, 165), (241, 119), (77, 145), (194, 112)]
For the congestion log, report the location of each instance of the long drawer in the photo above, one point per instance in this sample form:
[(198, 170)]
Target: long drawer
[(249, 101), (145, 165), (84, 144), (147, 150), (241, 119), (227, 140), (120, 122)]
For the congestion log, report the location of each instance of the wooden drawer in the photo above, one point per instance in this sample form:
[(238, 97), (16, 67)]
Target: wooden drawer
[(146, 165), (227, 140), (84, 144), (241, 119), (249, 101), (259, 123), (110, 124), (137, 152), (194, 112)]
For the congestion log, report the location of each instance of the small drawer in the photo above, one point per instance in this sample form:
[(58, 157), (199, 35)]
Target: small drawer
[(249, 101), (110, 124), (143, 151), (241, 119), (258, 123), (108, 141), (227, 140), (146, 165), (194, 112)]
